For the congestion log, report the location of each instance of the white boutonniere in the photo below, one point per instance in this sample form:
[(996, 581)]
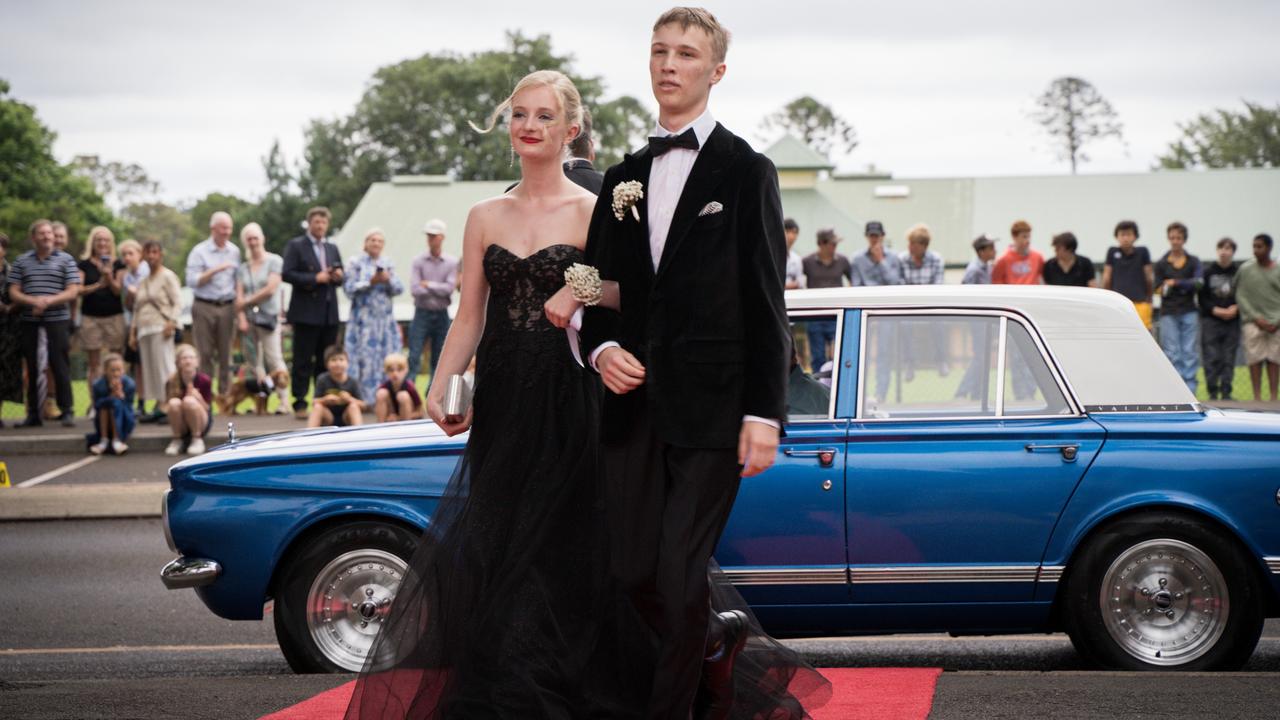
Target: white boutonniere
[(625, 196)]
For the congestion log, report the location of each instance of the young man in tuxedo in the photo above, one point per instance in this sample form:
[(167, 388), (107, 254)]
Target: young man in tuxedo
[(313, 266), (696, 362)]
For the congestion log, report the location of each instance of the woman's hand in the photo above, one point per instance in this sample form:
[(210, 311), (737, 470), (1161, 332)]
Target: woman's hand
[(435, 410), (560, 308), (243, 324), (133, 339), (169, 328)]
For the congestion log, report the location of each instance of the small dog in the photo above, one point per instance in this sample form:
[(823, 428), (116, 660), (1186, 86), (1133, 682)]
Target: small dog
[(246, 386)]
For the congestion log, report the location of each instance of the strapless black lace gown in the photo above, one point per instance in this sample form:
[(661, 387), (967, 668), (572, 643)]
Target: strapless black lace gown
[(507, 610)]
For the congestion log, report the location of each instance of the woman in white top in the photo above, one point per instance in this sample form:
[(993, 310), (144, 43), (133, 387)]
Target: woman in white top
[(258, 309)]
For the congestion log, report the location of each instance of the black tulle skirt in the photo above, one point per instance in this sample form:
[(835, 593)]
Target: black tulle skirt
[(507, 609)]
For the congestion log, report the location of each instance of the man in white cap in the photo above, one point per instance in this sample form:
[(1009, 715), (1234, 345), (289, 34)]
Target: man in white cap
[(434, 278)]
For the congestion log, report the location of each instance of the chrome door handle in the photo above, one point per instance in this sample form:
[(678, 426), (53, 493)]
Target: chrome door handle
[(1069, 451), (826, 456)]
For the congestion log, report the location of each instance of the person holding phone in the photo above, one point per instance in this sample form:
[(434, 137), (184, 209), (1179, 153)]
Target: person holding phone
[(313, 266), (102, 314)]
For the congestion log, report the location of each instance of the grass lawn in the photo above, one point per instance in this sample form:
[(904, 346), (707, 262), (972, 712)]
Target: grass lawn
[(80, 396), (1241, 390)]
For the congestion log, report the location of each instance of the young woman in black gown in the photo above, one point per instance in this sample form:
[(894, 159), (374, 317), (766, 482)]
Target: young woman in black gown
[(507, 609)]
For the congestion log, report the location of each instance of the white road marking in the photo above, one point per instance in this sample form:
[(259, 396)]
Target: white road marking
[(132, 649), (58, 472)]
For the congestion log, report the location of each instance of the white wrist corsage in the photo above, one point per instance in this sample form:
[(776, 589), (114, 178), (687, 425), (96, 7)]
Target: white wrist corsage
[(584, 283), (625, 196)]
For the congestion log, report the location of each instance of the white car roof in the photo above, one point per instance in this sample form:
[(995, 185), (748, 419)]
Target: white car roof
[(1096, 336)]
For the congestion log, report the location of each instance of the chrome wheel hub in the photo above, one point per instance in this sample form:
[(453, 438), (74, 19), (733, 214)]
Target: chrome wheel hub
[(1164, 602), (348, 602)]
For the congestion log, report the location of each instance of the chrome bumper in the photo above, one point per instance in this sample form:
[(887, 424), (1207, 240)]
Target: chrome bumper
[(185, 572)]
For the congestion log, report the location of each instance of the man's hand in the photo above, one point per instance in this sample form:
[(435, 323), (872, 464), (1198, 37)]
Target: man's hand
[(560, 308), (323, 277), (620, 370), (757, 447)]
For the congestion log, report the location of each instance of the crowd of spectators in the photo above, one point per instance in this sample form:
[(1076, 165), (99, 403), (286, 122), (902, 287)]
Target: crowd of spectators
[(124, 309), (1206, 311), (123, 306)]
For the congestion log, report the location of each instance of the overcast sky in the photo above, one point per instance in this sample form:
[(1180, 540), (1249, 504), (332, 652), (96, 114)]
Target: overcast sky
[(197, 92)]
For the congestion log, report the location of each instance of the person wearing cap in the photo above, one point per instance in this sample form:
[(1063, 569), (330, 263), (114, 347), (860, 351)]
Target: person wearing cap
[(825, 268), (795, 264), (313, 266), (433, 280), (875, 266), (978, 271)]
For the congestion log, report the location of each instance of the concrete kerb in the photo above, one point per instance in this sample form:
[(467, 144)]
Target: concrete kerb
[(71, 502)]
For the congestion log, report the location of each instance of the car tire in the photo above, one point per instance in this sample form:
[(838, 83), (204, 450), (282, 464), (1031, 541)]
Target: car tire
[(334, 592), (1163, 592)]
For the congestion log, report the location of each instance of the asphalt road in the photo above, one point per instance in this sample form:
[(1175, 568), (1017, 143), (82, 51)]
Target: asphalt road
[(91, 632)]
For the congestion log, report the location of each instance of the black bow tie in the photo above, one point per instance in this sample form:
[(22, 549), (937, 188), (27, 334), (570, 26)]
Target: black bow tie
[(660, 145)]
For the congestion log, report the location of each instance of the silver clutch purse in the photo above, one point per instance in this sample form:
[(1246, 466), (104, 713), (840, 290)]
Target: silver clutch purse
[(457, 398)]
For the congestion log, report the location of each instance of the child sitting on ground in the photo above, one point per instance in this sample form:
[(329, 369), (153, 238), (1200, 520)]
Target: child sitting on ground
[(337, 399), (397, 398), (113, 396), (190, 402)]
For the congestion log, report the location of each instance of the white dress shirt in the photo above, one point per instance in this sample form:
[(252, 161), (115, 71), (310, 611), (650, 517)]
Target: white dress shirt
[(667, 176), (207, 255)]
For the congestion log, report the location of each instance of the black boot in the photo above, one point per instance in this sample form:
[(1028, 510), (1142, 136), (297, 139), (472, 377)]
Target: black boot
[(714, 700)]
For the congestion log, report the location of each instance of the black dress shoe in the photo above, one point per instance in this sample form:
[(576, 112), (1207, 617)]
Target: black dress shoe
[(31, 421), (714, 700)]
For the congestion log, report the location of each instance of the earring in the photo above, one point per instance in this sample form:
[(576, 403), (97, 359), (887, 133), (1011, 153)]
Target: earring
[(513, 157)]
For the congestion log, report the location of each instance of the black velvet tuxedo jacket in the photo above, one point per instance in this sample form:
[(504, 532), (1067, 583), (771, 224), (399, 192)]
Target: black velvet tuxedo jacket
[(710, 325), (311, 303)]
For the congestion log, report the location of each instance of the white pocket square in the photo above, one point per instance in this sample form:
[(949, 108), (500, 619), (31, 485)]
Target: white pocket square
[(710, 208)]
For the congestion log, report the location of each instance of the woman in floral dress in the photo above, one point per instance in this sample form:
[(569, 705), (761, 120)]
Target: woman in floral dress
[(372, 333)]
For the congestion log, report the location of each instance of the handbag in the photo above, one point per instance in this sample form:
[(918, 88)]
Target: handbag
[(258, 317)]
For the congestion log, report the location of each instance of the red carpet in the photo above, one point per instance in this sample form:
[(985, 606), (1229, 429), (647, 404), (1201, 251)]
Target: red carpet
[(857, 694)]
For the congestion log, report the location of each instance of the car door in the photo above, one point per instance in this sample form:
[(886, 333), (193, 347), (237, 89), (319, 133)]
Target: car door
[(784, 545), (965, 448)]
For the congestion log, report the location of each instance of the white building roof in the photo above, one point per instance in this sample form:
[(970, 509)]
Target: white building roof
[(1095, 336)]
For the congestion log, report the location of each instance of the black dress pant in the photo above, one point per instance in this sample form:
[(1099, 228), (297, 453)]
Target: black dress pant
[(59, 338), (1219, 341), (309, 344), (667, 506)]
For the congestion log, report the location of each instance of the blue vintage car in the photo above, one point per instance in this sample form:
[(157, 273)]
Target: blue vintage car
[(974, 460)]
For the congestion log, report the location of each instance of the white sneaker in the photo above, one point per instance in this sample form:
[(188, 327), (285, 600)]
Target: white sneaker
[(196, 447), (118, 447), (175, 447), (99, 448)]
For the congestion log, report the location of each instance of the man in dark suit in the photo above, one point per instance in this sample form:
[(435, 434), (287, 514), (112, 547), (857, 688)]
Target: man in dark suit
[(314, 267), (696, 362)]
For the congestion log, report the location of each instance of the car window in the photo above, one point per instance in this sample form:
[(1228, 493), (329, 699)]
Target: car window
[(809, 384), (1030, 388), (930, 366)]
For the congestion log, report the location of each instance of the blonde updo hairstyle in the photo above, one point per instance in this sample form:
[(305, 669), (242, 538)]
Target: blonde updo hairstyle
[(565, 90)]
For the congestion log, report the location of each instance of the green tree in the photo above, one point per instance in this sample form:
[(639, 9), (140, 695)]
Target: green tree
[(1223, 139), (814, 123), (34, 184), (1074, 113), (282, 209), (158, 221), (620, 126), (119, 183), (414, 119)]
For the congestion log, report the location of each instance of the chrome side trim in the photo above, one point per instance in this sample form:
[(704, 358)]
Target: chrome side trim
[(787, 576), (944, 574), (164, 520), (1273, 563), (1051, 573), (185, 572)]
